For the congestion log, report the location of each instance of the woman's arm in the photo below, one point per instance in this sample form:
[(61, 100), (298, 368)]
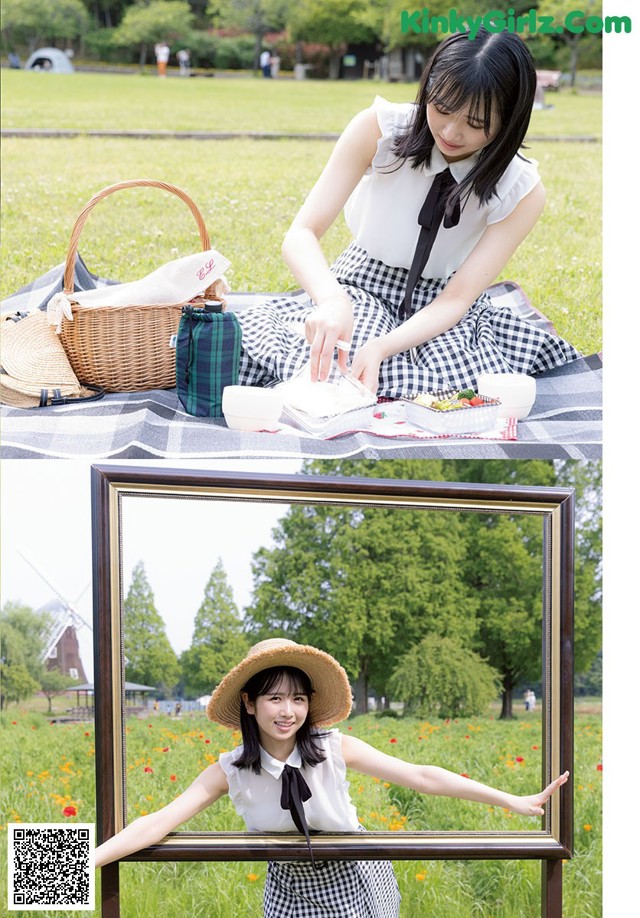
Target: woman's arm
[(208, 787), (333, 319), (478, 271), (430, 779)]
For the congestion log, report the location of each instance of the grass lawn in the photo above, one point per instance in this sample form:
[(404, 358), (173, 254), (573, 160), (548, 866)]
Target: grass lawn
[(47, 767), (249, 190), (137, 102)]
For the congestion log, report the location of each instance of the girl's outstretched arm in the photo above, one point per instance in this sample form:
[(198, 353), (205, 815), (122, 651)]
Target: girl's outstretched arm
[(208, 787), (333, 318), (430, 779)]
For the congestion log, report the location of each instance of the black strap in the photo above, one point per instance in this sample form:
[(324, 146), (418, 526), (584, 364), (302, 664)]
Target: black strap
[(58, 399), (430, 218), (295, 791)]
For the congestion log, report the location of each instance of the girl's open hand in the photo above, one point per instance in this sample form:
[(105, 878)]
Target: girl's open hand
[(366, 364), (331, 322), (534, 805)]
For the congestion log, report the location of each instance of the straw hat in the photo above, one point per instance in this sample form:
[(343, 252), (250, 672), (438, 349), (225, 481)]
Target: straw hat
[(33, 359), (331, 699)]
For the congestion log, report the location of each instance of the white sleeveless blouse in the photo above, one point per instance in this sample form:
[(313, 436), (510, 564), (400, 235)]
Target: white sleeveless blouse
[(257, 797), (382, 212)]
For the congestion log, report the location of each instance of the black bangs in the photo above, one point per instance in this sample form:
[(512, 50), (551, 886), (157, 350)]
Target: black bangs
[(449, 94), (268, 681)]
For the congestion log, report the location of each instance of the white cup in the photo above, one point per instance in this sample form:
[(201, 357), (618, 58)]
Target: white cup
[(251, 407), (516, 391)]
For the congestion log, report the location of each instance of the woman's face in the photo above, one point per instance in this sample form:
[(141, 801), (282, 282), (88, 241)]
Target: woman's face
[(459, 134), (279, 715)]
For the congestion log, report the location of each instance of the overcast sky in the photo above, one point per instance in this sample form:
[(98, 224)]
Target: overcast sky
[(46, 524)]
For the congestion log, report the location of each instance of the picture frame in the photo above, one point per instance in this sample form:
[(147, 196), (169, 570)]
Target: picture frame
[(112, 485)]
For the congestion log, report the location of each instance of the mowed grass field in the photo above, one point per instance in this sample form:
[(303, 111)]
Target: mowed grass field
[(248, 189), (49, 766)]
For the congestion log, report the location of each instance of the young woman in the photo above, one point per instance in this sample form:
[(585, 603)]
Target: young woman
[(290, 775), (438, 198)]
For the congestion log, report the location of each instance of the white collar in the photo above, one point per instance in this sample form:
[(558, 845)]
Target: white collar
[(459, 170), (275, 767)]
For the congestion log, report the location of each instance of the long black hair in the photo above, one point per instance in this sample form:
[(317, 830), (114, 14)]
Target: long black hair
[(267, 682), (493, 74)]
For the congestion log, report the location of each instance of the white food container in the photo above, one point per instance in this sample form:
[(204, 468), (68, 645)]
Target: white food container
[(516, 391), (251, 407), (476, 419)]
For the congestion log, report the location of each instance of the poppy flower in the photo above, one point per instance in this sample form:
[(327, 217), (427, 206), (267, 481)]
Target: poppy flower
[(599, 766), (587, 827), (393, 740), (519, 758), (463, 774), (69, 811), (420, 877), (172, 778), (207, 741), (166, 749), (148, 770)]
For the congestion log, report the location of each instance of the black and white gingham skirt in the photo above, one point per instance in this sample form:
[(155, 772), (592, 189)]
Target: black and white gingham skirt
[(488, 339), (343, 889)]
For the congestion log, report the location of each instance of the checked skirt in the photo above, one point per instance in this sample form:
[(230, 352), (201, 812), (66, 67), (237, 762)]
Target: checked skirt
[(343, 889), (488, 338)]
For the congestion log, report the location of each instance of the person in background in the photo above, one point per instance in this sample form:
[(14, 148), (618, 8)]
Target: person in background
[(265, 62), (162, 57)]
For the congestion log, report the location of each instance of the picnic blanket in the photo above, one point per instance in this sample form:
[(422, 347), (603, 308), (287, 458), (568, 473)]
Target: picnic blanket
[(565, 422)]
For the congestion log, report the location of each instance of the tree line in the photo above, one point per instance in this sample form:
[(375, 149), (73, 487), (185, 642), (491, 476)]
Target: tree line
[(213, 29), (439, 611)]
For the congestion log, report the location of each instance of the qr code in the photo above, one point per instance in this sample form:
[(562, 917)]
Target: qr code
[(51, 866)]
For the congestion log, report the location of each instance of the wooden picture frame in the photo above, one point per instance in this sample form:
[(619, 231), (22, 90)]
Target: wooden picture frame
[(113, 484)]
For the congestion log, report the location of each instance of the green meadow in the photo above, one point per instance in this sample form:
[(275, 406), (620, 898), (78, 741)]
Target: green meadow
[(48, 767), (248, 190)]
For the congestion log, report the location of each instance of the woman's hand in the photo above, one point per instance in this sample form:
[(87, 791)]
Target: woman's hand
[(330, 325), (366, 364), (534, 805)]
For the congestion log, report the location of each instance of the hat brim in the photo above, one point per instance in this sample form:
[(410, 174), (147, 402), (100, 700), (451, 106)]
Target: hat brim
[(331, 700), (33, 355)]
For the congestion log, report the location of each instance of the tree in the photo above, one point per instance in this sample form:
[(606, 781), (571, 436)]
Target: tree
[(22, 643), (218, 641), (574, 29), (362, 585), (159, 20), (35, 22), (335, 23), (149, 657), (439, 677), (16, 683), (53, 682), (255, 16)]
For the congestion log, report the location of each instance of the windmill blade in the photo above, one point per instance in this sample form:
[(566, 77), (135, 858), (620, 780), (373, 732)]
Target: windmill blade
[(75, 616)]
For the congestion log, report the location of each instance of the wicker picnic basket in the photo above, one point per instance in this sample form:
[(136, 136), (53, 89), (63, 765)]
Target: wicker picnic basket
[(124, 348)]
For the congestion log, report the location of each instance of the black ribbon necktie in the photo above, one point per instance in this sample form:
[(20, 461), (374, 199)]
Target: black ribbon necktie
[(295, 791), (430, 218)]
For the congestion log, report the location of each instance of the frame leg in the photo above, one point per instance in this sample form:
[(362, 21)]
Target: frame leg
[(110, 877), (552, 889)]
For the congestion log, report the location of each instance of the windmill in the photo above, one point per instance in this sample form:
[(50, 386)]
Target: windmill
[(61, 649)]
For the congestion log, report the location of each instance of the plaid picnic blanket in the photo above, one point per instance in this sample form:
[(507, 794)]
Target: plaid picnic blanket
[(565, 422)]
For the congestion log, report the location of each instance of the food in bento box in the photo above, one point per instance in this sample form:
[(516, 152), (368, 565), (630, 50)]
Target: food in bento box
[(454, 401)]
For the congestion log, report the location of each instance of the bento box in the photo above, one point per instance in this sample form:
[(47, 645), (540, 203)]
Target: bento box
[(467, 419)]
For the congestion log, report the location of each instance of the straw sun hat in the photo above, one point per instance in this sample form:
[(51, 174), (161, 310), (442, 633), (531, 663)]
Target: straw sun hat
[(34, 363), (331, 699)]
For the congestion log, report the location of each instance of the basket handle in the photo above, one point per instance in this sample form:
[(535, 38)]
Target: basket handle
[(131, 183)]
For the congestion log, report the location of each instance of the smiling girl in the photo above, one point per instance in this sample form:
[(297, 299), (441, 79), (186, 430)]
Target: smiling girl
[(290, 775), (438, 197)]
